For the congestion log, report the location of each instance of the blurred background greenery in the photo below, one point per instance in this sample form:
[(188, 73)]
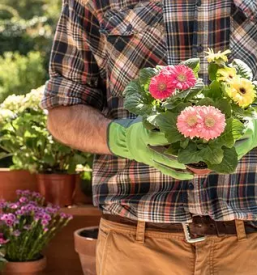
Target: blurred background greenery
[(27, 29), (26, 33)]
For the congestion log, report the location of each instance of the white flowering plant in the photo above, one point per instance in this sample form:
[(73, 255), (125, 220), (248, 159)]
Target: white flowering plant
[(24, 136), (206, 125)]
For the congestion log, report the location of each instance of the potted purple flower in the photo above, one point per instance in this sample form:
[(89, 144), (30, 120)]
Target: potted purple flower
[(26, 227)]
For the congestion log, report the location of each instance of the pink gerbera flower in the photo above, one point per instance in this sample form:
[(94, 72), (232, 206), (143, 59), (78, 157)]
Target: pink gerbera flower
[(213, 122), (182, 77), (188, 122), (161, 87)]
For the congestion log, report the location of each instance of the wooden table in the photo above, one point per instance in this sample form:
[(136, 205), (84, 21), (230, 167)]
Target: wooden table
[(61, 256)]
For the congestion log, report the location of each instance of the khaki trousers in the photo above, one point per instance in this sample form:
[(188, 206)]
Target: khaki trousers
[(130, 250)]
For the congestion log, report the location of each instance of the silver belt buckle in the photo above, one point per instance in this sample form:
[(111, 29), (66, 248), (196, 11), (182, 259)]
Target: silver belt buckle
[(188, 235)]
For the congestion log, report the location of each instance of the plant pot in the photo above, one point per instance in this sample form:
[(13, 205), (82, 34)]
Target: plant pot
[(85, 245), (57, 189), (199, 171), (25, 268), (12, 180), (83, 191)]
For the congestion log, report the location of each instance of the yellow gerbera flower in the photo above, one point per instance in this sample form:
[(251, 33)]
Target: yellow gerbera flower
[(241, 91), (226, 74), (219, 57)]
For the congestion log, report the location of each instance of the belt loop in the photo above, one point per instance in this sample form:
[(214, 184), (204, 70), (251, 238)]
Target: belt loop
[(240, 230), (140, 234)]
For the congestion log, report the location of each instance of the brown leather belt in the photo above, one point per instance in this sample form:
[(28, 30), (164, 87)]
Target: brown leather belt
[(201, 226)]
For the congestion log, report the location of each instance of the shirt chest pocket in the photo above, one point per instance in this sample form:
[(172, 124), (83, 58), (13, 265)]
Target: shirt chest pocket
[(243, 38), (130, 21), (134, 38)]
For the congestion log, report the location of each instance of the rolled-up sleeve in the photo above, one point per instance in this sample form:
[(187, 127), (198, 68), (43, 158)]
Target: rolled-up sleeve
[(74, 71)]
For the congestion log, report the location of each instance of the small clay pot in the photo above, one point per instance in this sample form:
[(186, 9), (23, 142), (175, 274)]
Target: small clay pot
[(12, 180), (25, 268), (85, 245), (57, 189), (199, 171)]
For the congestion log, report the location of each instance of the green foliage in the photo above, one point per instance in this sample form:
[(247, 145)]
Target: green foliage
[(28, 25), (24, 135), (19, 74), (242, 69)]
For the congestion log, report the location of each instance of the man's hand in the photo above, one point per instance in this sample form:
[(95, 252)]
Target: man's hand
[(128, 138), (248, 141)]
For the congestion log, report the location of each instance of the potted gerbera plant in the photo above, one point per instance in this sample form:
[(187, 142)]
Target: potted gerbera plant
[(33, 148), (202, 123), (26, 227)]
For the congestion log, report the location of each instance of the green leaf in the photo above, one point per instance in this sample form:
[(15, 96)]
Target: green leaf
[(173, 149), (190, 93), (184, 143), (250, 112), (205, 102), (237, 129), (167, 124), (212, 70), (194, 91), (238, 111), (176, 108), (136, 105), (214, 91), (242, 69), (152, 119), (190, 155), (146, 74), (133, 88), (194, 64), (226, 138), (147, 124), (224, 106), (228, 164), (212, 155)]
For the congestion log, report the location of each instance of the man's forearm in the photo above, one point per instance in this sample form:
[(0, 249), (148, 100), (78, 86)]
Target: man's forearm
[(80, 127)]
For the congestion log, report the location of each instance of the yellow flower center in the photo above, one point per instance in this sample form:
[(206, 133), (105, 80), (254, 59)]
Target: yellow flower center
[(181, 78), (209, 122), (191, 121), (162, 87)]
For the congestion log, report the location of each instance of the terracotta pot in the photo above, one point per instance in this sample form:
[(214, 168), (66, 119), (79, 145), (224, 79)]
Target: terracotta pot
[(85, 245), (12, 180), (199, 171), (25, 268), (57, 189), (83, 192)]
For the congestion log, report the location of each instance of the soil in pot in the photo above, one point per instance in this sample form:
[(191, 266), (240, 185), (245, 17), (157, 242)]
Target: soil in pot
[(85, 245), (25, 268)]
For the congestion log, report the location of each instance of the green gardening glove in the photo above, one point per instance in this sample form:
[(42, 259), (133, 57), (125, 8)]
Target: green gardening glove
[(128, 138), (249, 139)]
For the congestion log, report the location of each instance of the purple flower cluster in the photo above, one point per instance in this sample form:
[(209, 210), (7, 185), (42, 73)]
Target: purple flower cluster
[(9, 219), (26, 214), (2, 239)]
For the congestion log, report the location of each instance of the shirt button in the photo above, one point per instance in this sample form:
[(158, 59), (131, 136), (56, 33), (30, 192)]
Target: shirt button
[(200, 49), (198, 3), (191, 186), (129, 28)]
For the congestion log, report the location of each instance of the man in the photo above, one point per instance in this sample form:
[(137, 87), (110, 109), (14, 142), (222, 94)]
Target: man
[(158, 218)]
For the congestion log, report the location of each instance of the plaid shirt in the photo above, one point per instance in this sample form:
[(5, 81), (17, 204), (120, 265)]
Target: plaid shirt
[(101, 45)]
